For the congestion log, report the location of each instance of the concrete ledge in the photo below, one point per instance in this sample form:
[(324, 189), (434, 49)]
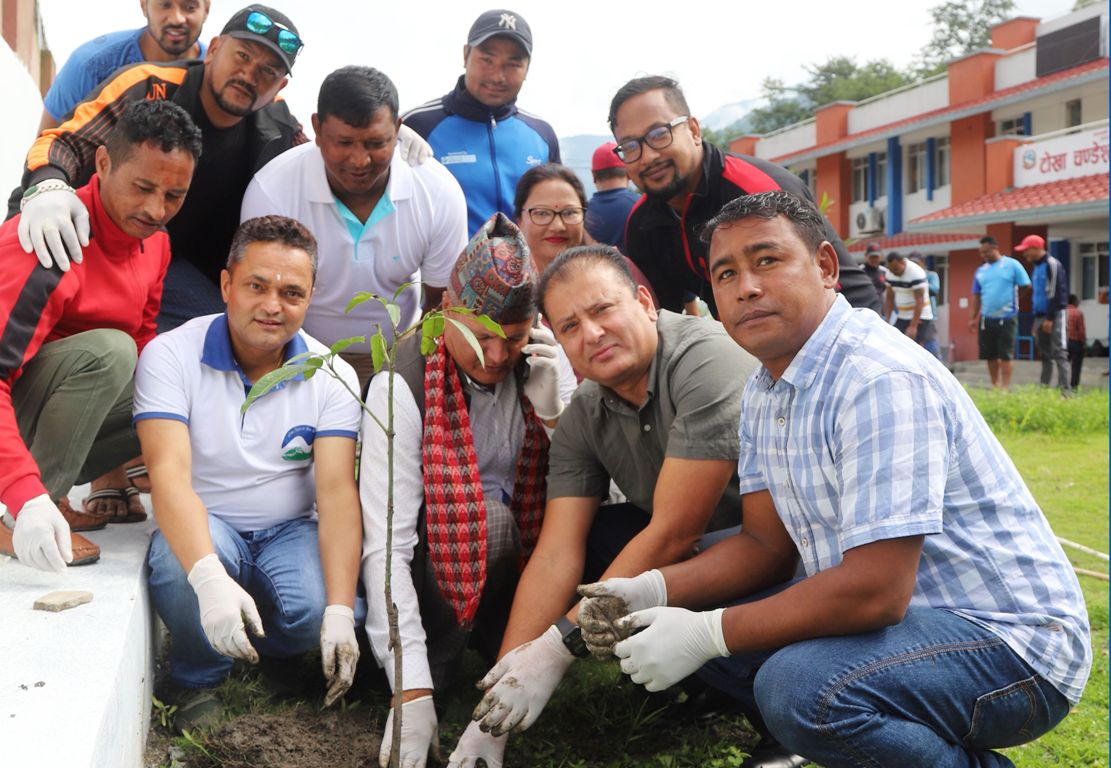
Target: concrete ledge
[(75, 686)]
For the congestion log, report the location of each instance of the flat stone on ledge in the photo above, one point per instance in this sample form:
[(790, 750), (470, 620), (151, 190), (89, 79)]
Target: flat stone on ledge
[(62, 600)]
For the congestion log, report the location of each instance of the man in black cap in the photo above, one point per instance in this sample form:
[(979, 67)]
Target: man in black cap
[(230, 96), (476, 130), (873, 267)]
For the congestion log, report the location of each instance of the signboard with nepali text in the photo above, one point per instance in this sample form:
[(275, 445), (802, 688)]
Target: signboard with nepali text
[(1064, 157)]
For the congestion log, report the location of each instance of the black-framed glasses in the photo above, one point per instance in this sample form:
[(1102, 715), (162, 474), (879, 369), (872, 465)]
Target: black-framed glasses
[(261, 24), (659, 137), (542, 217)]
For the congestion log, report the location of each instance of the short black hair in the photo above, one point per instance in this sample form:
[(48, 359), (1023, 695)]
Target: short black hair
[(989, 240), (582, 257), (158, 122), (272, 229), (807, 220), (1073, 300), (354, 93), (540, 173), (635, 87)]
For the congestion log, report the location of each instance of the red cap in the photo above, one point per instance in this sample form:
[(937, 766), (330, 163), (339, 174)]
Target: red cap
[(604, 158), (1031, 241)]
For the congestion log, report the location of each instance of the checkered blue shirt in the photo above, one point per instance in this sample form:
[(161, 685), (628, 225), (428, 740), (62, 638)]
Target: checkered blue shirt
[(866, 437)]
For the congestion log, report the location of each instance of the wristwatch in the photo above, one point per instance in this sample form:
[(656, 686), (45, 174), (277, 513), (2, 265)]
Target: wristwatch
[(572, 638)]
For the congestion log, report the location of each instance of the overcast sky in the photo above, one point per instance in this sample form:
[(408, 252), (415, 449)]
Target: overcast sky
[(582, 51)]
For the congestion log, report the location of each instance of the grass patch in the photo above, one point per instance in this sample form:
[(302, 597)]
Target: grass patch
[(1034, 409)]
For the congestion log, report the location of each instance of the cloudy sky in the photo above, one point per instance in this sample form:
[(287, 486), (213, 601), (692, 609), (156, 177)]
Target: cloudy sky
[(583, 51)]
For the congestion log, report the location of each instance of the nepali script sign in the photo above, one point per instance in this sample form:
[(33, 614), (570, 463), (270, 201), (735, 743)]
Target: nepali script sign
[(1065, 157)]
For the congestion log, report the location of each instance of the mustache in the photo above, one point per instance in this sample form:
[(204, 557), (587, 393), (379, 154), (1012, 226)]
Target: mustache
[(244, 85)]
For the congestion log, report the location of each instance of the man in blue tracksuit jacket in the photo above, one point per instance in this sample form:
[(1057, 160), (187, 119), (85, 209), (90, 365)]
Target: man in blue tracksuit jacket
[(1049, 300), (477, 131)]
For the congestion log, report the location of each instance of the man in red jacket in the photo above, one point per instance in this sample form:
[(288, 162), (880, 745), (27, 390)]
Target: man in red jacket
[(69, 340)]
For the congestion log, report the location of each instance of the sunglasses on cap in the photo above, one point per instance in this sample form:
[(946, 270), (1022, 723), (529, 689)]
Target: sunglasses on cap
[(261, 24)]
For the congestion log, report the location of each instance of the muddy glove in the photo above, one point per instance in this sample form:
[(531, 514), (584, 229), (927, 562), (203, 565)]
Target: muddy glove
[(519, 686), (223, 606), (474, 745), (542, 387), (41, 536), (53, 222), (419, 734), (339, 651), (414, 149), (676, 643), (609, 600)]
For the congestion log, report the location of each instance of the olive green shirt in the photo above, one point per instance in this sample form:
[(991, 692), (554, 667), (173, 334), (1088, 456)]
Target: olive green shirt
[(691, 412)]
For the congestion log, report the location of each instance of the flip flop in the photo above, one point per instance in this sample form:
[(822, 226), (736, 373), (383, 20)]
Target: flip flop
[(120, 494)]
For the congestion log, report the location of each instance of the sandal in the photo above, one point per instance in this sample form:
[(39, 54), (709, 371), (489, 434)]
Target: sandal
[(119, 494), (138, 471), (84, 551)]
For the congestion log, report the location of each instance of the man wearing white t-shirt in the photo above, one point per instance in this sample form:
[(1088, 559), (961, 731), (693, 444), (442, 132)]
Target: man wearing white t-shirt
[(908, 292), (238, 548), (380, 222)]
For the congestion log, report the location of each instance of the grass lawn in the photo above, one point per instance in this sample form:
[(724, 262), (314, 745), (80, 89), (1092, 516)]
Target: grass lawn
[(599, 719)]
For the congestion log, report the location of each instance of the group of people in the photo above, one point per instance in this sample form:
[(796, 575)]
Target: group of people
[(792, 500)]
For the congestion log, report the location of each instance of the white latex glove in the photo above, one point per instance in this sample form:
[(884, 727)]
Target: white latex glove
[(414, 149), (676, 643), (519, 686), (607, 601), (542, 387), (419, 734), (41, 536), (339, 651), (51, 224), (474, 745), (224, 605)]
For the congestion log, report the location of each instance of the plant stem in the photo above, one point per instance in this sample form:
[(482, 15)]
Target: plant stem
[(391, 608)]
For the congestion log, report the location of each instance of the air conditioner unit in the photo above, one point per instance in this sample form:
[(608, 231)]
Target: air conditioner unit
[(869, 220)]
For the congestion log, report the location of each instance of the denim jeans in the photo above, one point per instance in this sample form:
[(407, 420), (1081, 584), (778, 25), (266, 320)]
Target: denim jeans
[(279, 567), (933, 691)]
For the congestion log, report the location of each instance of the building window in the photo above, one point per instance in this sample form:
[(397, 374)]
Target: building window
[(860, 179), (941, 266), (1093, 269), (916, 167), (1015, 126), (881, 174), (1073, 113), (941, 163)]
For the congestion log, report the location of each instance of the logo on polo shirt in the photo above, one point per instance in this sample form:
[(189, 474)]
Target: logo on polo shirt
[(297, 443)]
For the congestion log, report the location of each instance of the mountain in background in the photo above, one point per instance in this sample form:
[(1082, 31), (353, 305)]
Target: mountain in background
[(576, 151)]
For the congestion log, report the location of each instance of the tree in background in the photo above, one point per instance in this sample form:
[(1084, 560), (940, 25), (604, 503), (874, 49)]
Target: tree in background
[(960, 27)]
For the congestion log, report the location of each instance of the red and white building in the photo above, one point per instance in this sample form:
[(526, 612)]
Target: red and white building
[(1009, 141)]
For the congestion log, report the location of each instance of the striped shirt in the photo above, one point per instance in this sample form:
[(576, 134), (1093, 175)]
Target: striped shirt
[(867, 437)]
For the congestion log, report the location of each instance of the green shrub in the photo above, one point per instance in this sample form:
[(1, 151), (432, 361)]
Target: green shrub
[(1042, 410)]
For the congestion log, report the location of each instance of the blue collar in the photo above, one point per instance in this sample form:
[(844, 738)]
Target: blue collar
[(217, 352)]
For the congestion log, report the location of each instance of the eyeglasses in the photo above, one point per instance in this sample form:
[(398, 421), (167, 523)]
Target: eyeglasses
[(261, 24), (542, 217), (659, 137)]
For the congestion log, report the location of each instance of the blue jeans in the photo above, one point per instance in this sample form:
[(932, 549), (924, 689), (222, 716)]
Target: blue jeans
[(279, 567), (933, 691)]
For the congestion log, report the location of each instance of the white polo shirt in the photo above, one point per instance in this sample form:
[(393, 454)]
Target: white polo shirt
[(905, 286), (252, 471), (414, 235)]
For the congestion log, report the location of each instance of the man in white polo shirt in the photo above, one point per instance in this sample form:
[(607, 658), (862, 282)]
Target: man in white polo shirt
[(908, 293), (380, 222), (238, 548)]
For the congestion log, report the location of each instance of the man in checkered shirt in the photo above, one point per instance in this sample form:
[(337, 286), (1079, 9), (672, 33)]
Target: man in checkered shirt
[(938, 618)]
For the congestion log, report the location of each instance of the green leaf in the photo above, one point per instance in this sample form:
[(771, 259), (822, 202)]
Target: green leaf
[(273, 379), (401, 289), (394, 312), (299, 358), (343, 344), (491, 325), (378, 350), (427, 346), (360, 298), (468, 334)]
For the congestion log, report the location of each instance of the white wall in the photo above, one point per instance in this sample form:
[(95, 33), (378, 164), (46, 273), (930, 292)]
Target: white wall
[(1015, 68), (1047, 113), (802, 136), (916, 204), (899, 106), (23, 108)]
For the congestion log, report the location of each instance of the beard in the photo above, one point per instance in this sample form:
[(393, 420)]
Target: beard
[(669, 190), (231, 107), (174, 49)]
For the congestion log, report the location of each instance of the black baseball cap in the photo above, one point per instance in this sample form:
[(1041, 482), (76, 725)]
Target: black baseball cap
[(872, 249), (275, 30), (501, 22)]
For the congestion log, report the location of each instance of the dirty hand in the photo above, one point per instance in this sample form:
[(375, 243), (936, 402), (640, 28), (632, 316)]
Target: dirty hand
[(607, 601), (518, 686), (676, 643), (223, 607), (52, 223), (339, 651), (418, 734), (41, 536), (474, 745), (414, 149), (542, 387)]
